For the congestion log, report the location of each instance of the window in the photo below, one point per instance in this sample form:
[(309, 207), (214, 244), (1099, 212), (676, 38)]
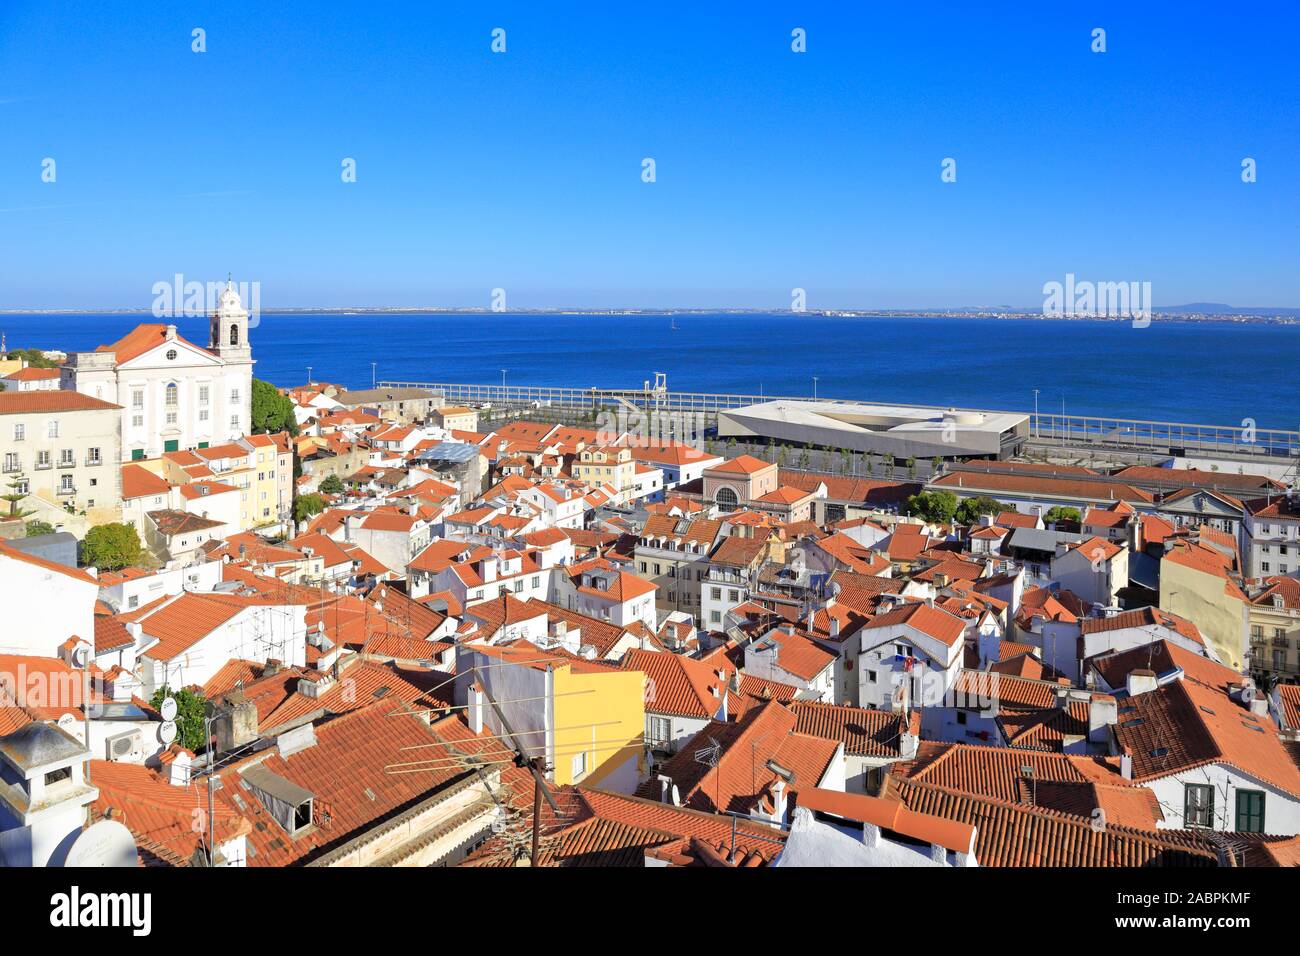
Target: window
[(658, 730), (172, 395), (579, 765), (52, 428), (234, 334), (1198, 805), (133, 601), (20, 432), (171, 418), (234, 395), (716, 593), (1250, 811), (42, 459), (203, 394), (65, 484), (137, 421), (67, 458), (726, 499), (171, 355), (12, 463), (203, 414), (301, 816), (234, 421), (537, 581)]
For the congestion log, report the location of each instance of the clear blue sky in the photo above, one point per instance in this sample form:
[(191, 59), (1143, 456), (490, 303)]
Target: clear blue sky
[(523, 170)]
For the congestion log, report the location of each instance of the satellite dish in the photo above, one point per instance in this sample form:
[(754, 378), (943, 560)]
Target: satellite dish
[(80, 654), (67, 722), (168, 708), (167, 732), (106, 843)]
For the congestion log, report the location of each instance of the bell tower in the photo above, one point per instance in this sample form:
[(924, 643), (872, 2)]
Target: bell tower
[(228, 337)]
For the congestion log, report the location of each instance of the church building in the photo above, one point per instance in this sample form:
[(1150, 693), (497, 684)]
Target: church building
[(174, 394)]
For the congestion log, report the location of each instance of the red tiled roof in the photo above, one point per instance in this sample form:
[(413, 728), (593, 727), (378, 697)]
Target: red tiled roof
[(1012, 834), (47, 401)]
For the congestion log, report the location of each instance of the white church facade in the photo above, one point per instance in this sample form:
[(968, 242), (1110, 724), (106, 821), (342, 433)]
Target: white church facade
[(174, 394)]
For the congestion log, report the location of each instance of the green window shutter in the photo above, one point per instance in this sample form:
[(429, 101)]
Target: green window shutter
[(171, 445), (137, 454), (1250, 811)]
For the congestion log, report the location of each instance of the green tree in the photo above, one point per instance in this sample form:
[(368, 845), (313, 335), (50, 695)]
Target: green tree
[(911, 468), (111, 547), (332, 485), (38, 528), (969, 511), (889, 466), (803, 460), (1061, 513), (306, 506), (935, 464), (34, 358), (14, 497), (783, 457), (190, 711), (272, 411), (937, 506)]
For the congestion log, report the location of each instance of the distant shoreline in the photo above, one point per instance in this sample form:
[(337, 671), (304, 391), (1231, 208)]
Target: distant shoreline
[(1285, 317)]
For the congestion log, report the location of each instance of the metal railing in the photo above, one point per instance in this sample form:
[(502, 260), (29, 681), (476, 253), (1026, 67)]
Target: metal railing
[(1044, 428)]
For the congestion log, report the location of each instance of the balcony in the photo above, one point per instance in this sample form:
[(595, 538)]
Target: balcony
[(93, 462), (64, 492), (67, 463)]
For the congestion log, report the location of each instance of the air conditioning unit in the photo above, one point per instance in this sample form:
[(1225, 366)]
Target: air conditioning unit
[(128, 747)]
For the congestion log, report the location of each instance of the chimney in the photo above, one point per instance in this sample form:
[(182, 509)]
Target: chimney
[(477, 705), (178, 768), (938, 854), (1135, 541), (234, 721), (941, 580), (1259, 706), (870, 834), (907, 743), (778, 800), (835, 627), (986, 521), (1140, 682), (1126, 764), (1103, 711)]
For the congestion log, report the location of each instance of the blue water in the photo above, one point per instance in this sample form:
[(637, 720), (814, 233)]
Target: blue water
[(1210, 372)]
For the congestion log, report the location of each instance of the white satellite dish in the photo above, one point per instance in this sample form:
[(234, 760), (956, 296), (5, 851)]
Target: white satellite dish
[(106, 843), (167, 732), (67, 722), (168, 708)]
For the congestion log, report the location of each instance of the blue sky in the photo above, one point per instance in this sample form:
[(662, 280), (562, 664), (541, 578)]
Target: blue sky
[(522, 170)]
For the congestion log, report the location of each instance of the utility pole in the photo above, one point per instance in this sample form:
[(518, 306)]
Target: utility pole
[(212, 852), (1035, 413), (537, 809)]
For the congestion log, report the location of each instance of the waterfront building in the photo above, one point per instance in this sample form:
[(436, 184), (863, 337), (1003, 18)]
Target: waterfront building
[(174, 395)]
